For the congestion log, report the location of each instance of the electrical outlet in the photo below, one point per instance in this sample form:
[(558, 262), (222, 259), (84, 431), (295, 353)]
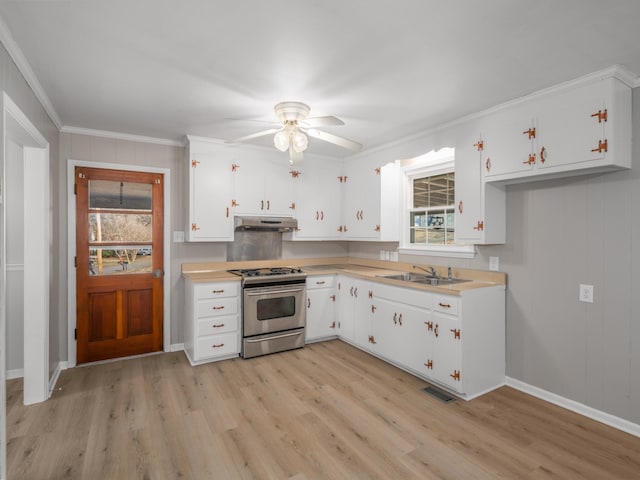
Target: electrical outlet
[(494, 264), (178, 237), (586, 293)]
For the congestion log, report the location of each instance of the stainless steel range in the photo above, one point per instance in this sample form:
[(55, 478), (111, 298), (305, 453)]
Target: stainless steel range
[(273, 310)]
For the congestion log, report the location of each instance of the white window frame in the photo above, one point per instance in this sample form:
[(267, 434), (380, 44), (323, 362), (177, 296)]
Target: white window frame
[(432, 163)]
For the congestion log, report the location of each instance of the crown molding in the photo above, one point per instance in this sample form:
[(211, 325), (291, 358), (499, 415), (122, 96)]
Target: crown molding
[(122, 136), (619, 72), (27, 72)]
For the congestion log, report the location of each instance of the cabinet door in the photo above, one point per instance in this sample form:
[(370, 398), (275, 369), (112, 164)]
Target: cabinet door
[(447, 348), (320, 313), (362, 311), (507, 143), (248, 186), (361, 212), (468, 169), (318, 200), (569, 126), (387, 319), (346, 309), (278, 187), (415, 349), (209, 198)]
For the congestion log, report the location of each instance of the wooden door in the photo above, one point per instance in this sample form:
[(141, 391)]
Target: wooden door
[(119, 263)]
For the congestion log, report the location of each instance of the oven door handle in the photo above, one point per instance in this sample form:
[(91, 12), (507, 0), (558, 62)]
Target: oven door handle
[(285, 335), (257, 294)]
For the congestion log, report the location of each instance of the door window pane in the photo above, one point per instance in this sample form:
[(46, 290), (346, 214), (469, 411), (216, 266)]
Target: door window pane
[(120, 227), (107, 194), (119, 261)]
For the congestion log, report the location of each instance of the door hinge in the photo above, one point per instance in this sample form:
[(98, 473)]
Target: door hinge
[(75, 262), (75, 333), (75, 189)]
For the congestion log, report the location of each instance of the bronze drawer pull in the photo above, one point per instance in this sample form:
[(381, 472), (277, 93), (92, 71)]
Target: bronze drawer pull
[(218, 308), (217, 325), (217, 291), (217, 345), (444, 305)]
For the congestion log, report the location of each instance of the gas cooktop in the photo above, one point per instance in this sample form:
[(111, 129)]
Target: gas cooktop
[(271, 275)]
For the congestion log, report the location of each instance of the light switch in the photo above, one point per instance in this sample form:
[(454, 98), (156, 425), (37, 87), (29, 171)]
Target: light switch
[(586, 293), (494, 264), (178, 237)]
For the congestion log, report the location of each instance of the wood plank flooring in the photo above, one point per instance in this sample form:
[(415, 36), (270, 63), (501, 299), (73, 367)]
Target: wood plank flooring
[(327, 411)]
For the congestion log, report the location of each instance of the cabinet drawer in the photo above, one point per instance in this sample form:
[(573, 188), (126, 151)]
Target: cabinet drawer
[(217, 307), (445, 304), (218, 289), (217, 345), (217, 325), (410, 296), (321, 281)]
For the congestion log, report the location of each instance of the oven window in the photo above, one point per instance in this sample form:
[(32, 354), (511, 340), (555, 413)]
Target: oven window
[(279, 307)]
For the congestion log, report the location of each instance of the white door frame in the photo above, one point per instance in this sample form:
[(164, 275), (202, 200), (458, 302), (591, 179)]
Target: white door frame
[(71, 249), (37, 233)]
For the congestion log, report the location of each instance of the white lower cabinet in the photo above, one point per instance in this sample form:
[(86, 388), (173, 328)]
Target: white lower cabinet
[(212, 323), (446, 357), (353, 309), (321, 303), (455, 342)]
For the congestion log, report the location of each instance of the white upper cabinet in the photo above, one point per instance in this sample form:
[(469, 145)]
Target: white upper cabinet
[(589, 126), (262, 184), (210, 189), (318, 199), (480, 207), (508, 138), (580, 128), (371, 201)]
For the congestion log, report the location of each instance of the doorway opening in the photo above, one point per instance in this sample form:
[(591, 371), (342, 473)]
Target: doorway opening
[(24, 259)]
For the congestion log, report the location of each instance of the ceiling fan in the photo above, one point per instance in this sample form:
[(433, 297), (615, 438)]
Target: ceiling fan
[(296, 127)]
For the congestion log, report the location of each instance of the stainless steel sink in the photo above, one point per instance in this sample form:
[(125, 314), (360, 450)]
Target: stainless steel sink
[(426, 279)]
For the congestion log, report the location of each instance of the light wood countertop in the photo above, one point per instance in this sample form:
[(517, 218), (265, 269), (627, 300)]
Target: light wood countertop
[(364, 268)]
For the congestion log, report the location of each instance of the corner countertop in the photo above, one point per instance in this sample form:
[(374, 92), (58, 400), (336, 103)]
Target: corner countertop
[(364, 268)]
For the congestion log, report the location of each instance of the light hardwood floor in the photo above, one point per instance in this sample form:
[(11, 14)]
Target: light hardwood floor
[(327, 411)]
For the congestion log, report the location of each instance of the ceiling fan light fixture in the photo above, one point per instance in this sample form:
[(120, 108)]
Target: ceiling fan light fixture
[(299, 141), (281, 140)]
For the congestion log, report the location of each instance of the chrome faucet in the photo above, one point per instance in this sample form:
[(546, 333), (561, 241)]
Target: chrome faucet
[(431, 271)]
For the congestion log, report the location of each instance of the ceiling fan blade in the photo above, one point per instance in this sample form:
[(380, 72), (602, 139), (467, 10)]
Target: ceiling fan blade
[(294, 157), (336, 140), (254, 135), (246, 122), (321, 121)]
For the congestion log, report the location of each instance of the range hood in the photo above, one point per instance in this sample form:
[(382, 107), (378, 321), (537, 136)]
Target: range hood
[(266, 224)]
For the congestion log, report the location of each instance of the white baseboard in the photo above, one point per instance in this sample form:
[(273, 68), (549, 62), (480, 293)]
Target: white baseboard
[(582, 409), (16, 373), (176, 347)]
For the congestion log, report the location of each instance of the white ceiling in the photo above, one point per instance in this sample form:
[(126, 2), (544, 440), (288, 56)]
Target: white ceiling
[(166, 68)]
